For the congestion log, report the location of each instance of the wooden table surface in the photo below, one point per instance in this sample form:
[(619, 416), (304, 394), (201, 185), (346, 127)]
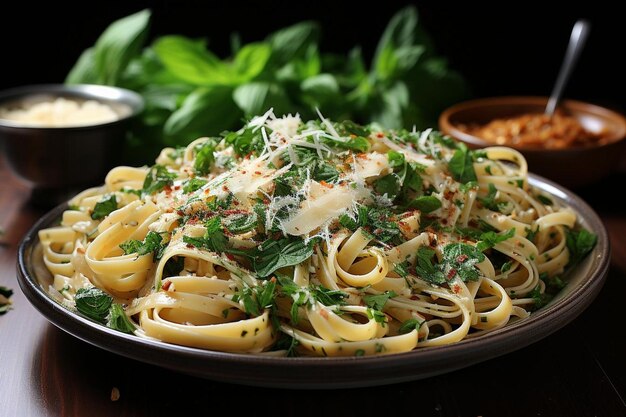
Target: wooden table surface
[(578, 371)]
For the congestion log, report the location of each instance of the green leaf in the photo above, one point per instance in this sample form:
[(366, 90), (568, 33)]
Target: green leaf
[(207, 111), (193, 184), (378, 301), (389, 184), (389, 110), (400, 32), (104, 207), (275, 254), (190, 61), (205, 158), (461, 165), (409, 325), (157, 178), (426, 203), (241, 223), (118, 320), (93, 303), (251, 60), (396, 159), (425, 268), (461, 258), (246, 141), (257, 97), (293, 41), (118, 44), (579, 243), (5, 291), (491, 239), (213, 238), (320, 89), (150, 244), (84, 70), (327, 296)]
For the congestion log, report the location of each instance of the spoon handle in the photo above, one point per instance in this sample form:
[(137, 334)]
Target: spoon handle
[(577, 39)]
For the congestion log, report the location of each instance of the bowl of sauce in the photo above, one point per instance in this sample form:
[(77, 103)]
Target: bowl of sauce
[(579, 145)]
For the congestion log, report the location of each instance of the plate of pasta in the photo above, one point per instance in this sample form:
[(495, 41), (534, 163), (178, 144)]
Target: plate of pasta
[(290, 250)]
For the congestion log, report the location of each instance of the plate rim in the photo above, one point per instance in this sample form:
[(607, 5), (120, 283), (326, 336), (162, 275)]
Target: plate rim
[(347, 372)]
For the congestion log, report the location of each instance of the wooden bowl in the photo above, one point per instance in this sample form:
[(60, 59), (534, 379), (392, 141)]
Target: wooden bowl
[(571, 167)]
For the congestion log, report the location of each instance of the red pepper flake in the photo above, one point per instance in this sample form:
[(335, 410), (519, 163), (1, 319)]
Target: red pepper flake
[(167, 189), (456, 289), (232, 212), (451, 274), (257, 172), (206, 191), (225, 188), (230, 256), (462, 258), (380, 135), (235, 202), (166, 285), (190, 246), (324, 313), (177, 187), (414, 297), (244, 171), (180, 212), (273, 279), (266, 201), (325, 184)]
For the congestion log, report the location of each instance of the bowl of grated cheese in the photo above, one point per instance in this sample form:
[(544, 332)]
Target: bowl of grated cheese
[(58, 136)]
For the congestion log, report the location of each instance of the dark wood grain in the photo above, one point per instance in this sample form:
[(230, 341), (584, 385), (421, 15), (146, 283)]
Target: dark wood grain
[(578, 371)]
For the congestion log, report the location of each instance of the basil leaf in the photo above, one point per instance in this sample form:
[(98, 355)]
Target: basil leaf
[(118, 320), (251, 60), (409, 325), (190, 61), (378, 301), (579, 243), (491, 239), (93, 303), (241, 223), (425, 268), (207, 111), (151, 243), (193, 184), (426, 203), (205, 158), (461, 165), (157, 178), (275, 254), (460, 258), (104, 207), (119, 43), (293, 41), (257, 97)]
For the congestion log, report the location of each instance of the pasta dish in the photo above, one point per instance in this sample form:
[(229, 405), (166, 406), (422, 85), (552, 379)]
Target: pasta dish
[(325, 238)]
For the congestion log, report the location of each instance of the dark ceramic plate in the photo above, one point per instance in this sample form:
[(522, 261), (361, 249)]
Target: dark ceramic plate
[(584, 284)]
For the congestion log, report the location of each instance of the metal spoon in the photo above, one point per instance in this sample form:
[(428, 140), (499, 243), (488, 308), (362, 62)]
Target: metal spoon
[(577, 39)]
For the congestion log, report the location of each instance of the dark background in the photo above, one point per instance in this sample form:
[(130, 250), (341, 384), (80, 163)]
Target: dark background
[(506, 48)]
